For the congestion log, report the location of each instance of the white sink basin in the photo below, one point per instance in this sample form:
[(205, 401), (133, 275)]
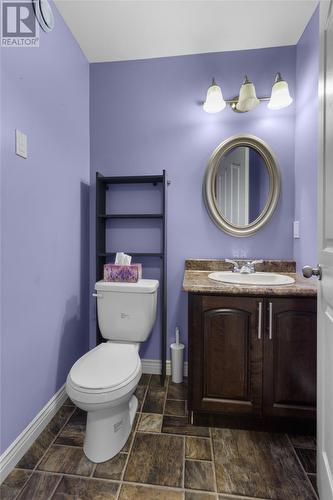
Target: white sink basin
[(259, 279)]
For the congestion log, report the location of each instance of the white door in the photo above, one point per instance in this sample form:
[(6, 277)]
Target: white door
[(325, 256), (233, 186)]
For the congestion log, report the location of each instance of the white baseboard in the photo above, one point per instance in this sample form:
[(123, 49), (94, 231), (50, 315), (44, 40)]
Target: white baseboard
[(154, 366), (22, 443)]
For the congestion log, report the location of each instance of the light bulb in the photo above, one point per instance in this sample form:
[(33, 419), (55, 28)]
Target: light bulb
[(247, 96), (280, 97), (214, 101)]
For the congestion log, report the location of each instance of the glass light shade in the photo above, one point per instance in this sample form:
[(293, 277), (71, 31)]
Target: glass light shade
[(214, 101), (280, 97), (247, 97)]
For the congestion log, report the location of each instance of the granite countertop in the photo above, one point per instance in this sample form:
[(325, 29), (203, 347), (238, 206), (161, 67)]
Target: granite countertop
[(196, 280)]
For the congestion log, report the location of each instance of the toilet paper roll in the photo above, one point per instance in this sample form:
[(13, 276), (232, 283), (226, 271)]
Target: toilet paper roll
[(177, 363)]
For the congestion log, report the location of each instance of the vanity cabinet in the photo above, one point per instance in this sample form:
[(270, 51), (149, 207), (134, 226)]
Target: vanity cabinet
[(252, 360)]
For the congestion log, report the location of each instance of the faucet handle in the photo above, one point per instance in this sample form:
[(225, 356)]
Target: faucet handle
[(253, 263), (230, 261)]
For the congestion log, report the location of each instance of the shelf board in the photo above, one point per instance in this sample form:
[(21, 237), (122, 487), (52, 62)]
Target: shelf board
[(130, 216), (141, 179), (133, 254)]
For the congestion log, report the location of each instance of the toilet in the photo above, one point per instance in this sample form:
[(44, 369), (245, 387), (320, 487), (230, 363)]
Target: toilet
[(103, 381)]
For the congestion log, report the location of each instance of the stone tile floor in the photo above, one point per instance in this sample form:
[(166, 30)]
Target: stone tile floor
[(165, 458)]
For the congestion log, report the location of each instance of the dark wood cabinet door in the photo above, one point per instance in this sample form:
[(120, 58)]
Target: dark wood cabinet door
[(290, 357), (225, 355)]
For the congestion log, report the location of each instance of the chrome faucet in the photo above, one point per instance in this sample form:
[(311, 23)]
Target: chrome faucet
[(248, 268)]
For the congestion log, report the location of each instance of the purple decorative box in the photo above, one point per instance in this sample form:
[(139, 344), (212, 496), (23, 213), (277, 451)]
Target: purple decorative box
[(117, 272)]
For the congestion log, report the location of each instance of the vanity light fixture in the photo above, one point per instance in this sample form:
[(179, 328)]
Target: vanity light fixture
[(247, 99)]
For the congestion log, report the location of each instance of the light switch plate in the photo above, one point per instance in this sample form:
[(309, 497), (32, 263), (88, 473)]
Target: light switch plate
[(21, 144), (296, 229)]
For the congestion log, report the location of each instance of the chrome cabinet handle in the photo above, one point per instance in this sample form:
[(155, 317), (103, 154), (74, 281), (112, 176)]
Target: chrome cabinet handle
[(98, 295), (259, 320), (270, 321), (309, 271)]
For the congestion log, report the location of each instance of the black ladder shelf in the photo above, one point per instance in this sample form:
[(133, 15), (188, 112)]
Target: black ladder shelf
[(102, 183)]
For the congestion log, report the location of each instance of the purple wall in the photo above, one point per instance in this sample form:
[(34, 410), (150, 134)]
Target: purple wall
[(145, 116), (45, 214), (306, 140)]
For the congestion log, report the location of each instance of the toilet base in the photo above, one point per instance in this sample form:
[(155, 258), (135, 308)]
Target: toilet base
[(108, 429)]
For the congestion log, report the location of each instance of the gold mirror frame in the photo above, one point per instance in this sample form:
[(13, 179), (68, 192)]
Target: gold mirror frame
[(274, 184)]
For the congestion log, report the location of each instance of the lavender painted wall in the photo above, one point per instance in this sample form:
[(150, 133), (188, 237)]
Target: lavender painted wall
[(145, 116), (45, 214), (306, 140)]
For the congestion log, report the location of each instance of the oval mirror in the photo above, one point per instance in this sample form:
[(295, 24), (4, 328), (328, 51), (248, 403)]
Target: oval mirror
[(242, 185)]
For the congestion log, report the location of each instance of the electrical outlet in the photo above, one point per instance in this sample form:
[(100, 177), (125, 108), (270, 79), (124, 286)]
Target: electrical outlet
[(21, 144), (296, 229)]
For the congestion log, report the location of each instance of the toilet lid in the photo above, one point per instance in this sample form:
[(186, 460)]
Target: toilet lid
[(107, 366)]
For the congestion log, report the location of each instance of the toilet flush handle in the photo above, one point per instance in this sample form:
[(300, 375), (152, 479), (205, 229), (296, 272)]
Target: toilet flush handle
[(98, 295)]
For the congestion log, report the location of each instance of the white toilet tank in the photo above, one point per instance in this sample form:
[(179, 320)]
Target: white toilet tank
[(126, 311)]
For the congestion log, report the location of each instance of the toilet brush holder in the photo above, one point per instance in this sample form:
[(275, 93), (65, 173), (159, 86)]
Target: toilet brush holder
[(177, 362)]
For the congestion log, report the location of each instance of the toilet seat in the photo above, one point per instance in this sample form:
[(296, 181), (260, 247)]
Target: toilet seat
[(105, 373)]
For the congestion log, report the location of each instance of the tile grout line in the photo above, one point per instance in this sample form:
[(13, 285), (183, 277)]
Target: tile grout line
[(54, 489), (59, 445), (230, 496), (189, 490), (179, 489), (24, 484), (307, 479), (118, 490), (180, 434), (119, 482), (38, 462), (40, 472), (73, 476), (167, 434), (131, 444), (93, 470), (301, 446), (204, 460), (174, 399), (184, 463), (213, 458), (53, 440), (77, 476), (144, 399), (165, 397)]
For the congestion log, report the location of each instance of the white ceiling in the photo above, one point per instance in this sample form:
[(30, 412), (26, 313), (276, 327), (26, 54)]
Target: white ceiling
[(116, 30)]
